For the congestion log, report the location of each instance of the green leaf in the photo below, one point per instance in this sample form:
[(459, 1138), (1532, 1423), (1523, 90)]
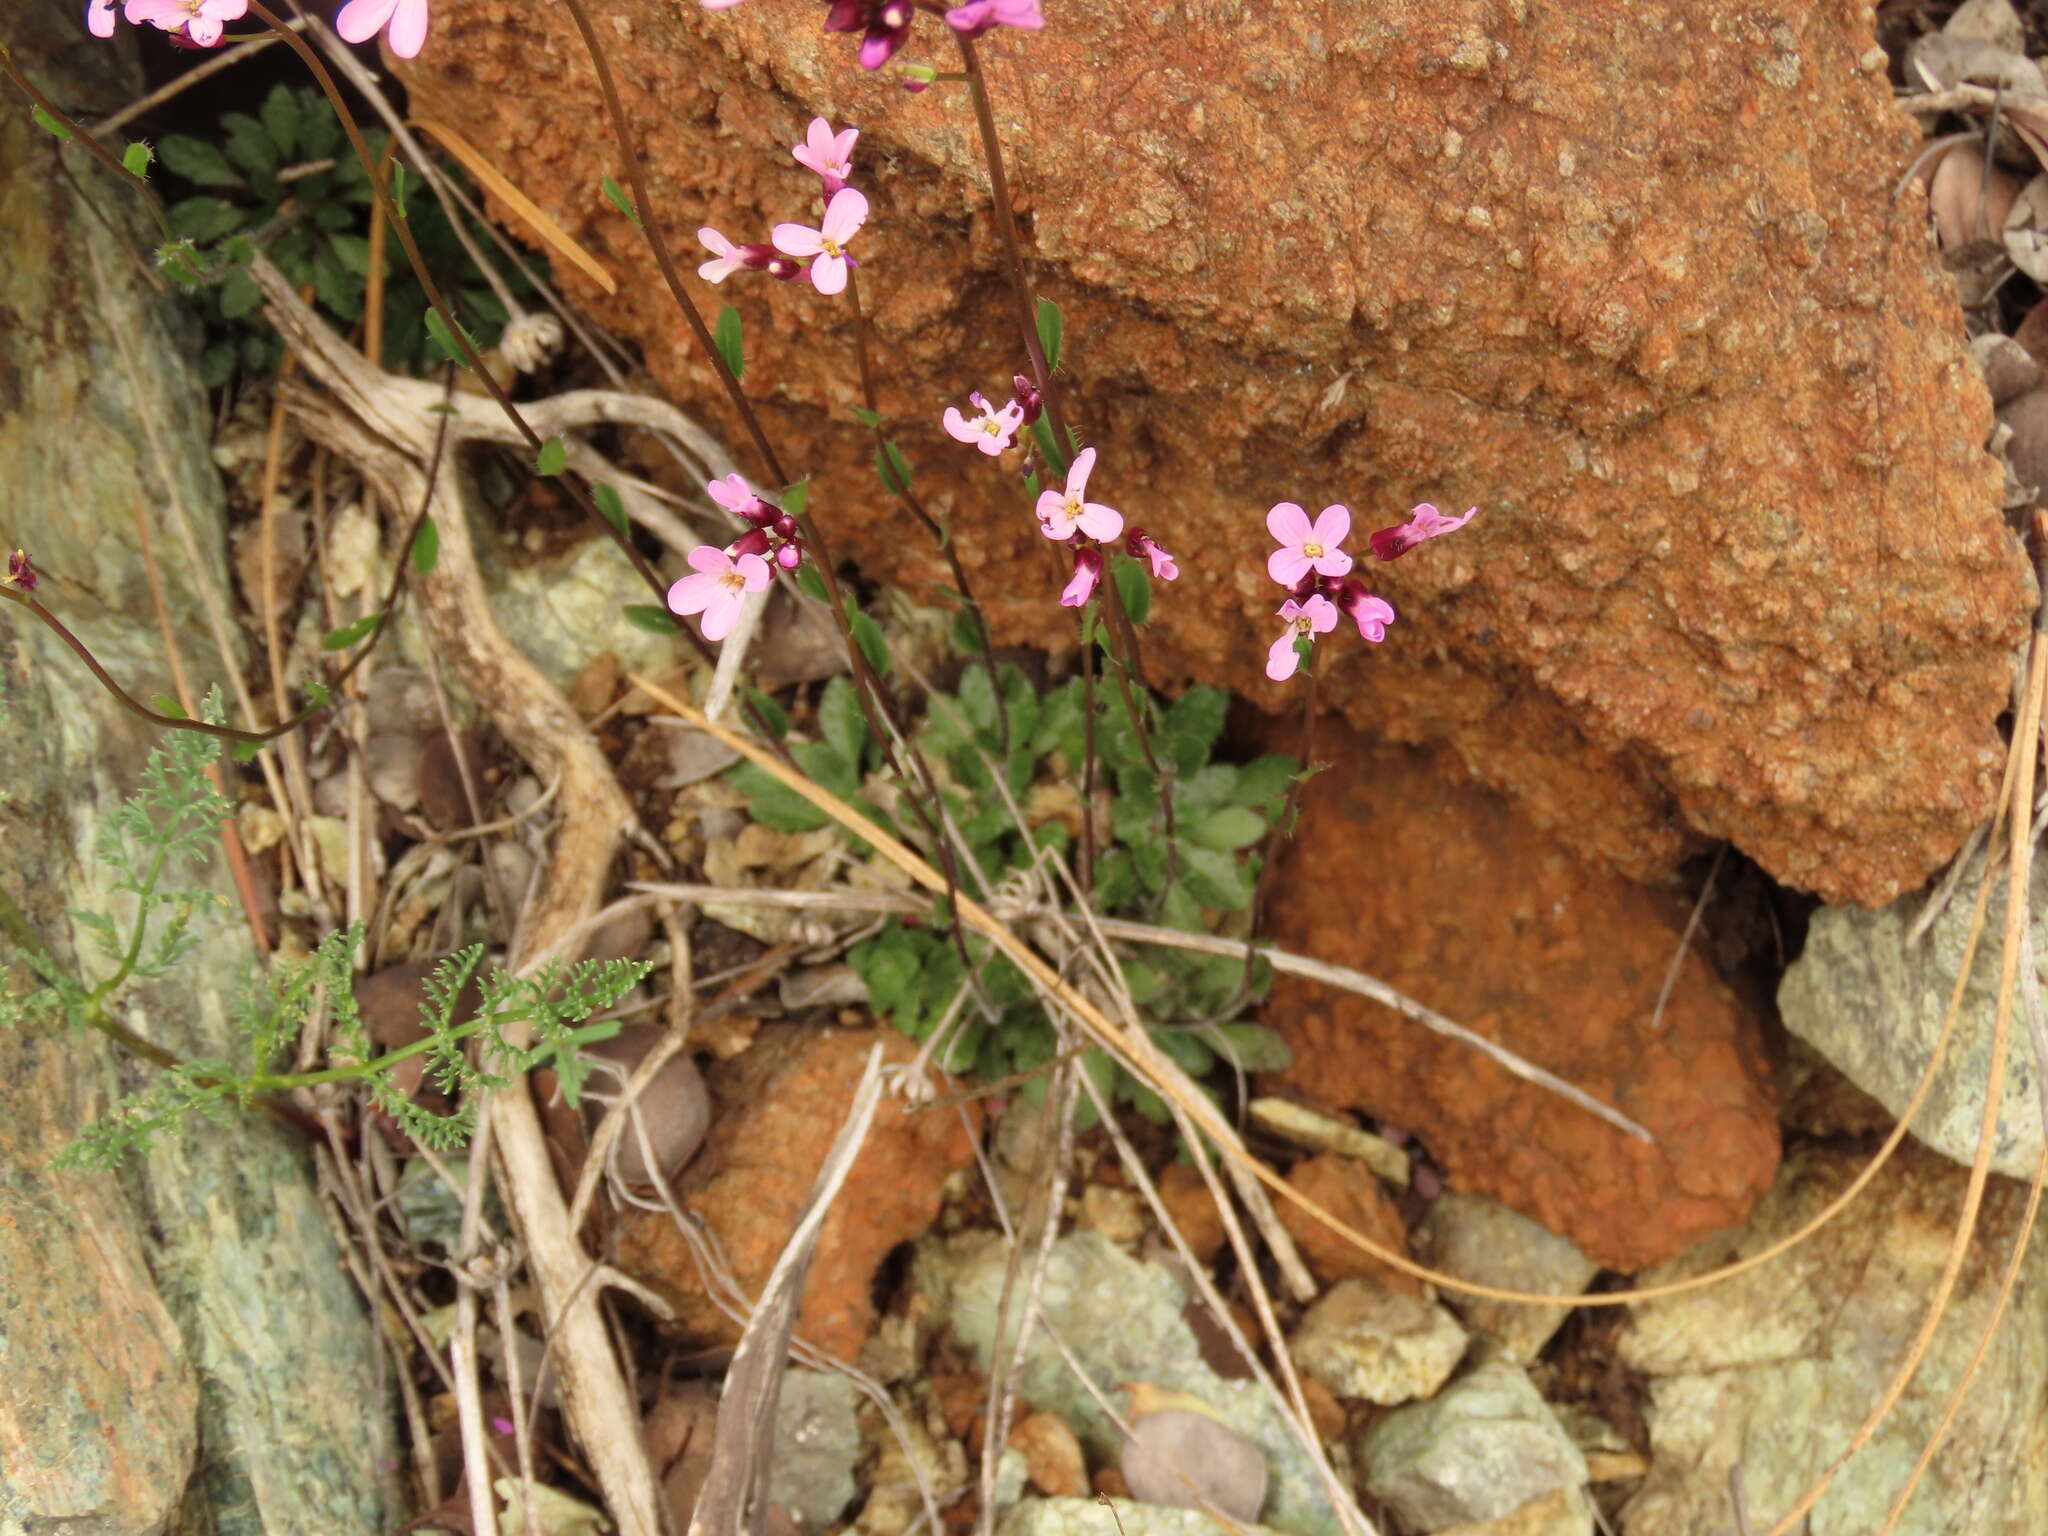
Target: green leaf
[(197, 161), (398, 187), (438, 329), (282, 114), (796, 499), (978, 697), (866, 417), (49, 124), (966, 633), (773, 803), (248, 145), (1194, 1058), (166, 705), (656, 621), (621, 201), (1263, 782), (773, 715), (341, 639), (1133, 585), (1193, 724), (841, 721), (136, 158), (320, 694), (426, 548), (1229, 829), (867, 634), (731, 339), (1214, 879), (239, 295), (810, 583), (1052, 330), (246, 751), (611, 509), (1048, 448), (823, 764), (893, 468), (204, 218), (1253, 1047), (554, 458)]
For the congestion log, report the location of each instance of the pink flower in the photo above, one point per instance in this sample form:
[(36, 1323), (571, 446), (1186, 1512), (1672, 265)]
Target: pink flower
[(718, 590), (1317, 616), (977, 16), (829, 154), (202, 21), (991, 431), (719, 5), (1142, 546), (1425, 522), (1060, 513), (99, 18), (1307, 546), (1371, 614), (403, 23), (737, 497), (1087, 574), (726, 258), (844, 216)]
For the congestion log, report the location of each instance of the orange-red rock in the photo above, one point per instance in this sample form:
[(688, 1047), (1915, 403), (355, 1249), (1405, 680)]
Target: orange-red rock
[(1626, 274), (776, 1111), (1446, 893), (1347, 1190)]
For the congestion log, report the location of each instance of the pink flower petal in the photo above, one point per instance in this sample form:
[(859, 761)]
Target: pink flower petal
[(408, 33), (1281, 661), (1288, 524), (754, 572), (1100, 522), (1288, 566), (844, 215), (1077, 475), (959, 428), (1321, 614), (828, 274), (1330, 529), (797, 240), (722, 615), (692, 594), (1331, 562), (360, 20)]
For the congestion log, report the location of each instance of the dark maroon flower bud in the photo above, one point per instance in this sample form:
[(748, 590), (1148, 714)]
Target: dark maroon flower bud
[(754, 541), (885, 24), (788, 268), (1026, 394), (784, 526), (19, 572)]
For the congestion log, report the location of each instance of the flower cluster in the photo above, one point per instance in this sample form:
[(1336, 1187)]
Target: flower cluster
[(798, 250), (884, 25), (1316, 571), (20, 574), (723, 579)]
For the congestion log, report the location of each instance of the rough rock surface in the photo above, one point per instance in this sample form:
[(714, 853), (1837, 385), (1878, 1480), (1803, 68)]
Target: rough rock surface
[(1458, 900), (1479, 1450), (1145, 1338), (1386, 1347), (1483, 1241), (183, 1346), (1777, 1367), (1875, 1008), (776, 1111), (1740, 569)]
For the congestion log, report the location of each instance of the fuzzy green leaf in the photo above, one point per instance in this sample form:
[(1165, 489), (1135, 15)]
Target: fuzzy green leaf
[(731, 338), (612, 509), (426, 548), (1052, 330), (656, 621)]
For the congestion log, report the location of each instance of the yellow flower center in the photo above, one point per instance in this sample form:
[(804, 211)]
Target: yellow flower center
[(991, 426), (734, 580), (1313, 551), (831, 247)]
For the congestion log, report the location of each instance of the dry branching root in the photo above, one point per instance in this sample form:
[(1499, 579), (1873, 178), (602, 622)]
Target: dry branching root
[(407, 439)]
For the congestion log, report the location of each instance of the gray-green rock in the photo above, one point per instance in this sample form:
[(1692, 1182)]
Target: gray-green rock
[(1363, 1340), (1777, 1367), (1124, 1321), (1481, 1240), (1874, 1007), (817, 1442), (180, 1345), (1480, 1449)]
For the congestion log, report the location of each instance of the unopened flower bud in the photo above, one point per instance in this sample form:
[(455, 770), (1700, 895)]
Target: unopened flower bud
[(916, 77), (1026, 393), (790, 555), (784, 526), (754, 541), (20, 573)]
